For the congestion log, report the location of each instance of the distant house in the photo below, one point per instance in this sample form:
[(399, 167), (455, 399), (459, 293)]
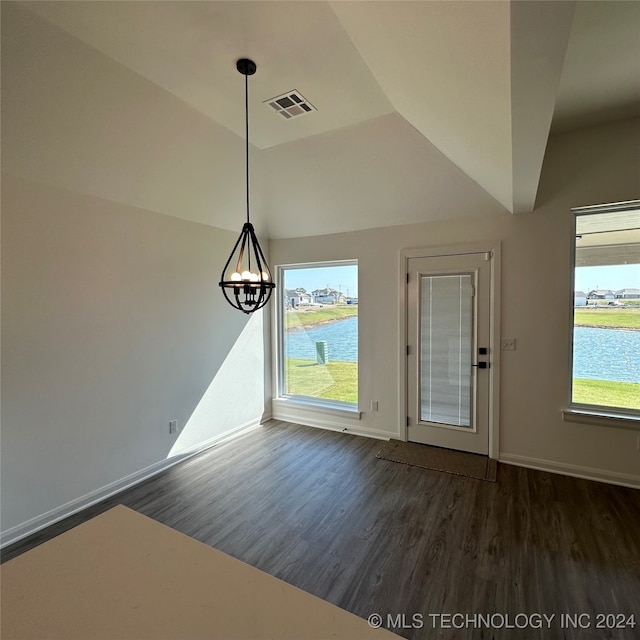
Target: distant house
[(296, 297), (626, 294), (328, 296), (580, 299), (601, 294), (305, 298), (291, 297)]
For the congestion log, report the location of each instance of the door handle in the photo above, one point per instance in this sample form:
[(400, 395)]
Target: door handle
[(481, 365)]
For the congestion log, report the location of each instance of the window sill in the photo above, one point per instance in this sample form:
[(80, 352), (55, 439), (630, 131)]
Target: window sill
[(585, 416), (342, 410)]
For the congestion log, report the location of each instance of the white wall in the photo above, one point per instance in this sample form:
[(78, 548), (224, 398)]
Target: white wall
[(113, 322), (585, 167), (113, 325)]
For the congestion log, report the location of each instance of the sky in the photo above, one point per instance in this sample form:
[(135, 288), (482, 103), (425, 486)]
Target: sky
[(610, 277), (342, 278)]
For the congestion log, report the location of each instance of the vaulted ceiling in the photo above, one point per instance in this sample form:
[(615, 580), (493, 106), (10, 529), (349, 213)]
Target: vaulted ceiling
[(446, 101)]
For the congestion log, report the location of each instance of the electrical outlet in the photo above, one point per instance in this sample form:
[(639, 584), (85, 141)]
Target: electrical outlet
[(173, 426), (508, 344), (374, 405)]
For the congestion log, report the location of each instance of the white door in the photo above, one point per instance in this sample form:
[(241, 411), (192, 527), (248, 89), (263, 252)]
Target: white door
[(448, 356)]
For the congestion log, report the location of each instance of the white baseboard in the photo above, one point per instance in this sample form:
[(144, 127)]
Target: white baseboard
[(586, 473), (64, 511)]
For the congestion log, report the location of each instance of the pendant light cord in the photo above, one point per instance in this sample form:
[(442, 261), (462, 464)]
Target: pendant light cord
[(246, 131)]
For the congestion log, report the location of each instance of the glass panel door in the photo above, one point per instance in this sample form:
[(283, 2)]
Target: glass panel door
[(449, 355)]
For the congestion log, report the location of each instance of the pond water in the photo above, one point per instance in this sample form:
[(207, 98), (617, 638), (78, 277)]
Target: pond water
[(606, 354), (341, 336), (599, 354)]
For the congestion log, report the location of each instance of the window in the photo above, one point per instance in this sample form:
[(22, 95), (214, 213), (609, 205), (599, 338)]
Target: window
[(318, 333), (606, 316)]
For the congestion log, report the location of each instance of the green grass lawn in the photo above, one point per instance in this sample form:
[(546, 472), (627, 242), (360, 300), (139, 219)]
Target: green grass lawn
[(318, 315), (333, 381), (608, 318), (607, 394)]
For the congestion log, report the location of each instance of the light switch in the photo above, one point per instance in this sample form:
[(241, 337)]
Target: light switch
[(508, 344)]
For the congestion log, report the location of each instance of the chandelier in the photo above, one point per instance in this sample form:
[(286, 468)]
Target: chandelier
[(246, 279)]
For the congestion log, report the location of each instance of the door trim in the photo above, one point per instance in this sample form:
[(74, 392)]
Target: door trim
[(494, 331)]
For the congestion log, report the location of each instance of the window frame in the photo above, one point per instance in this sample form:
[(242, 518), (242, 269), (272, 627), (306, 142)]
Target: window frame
[(589, 413), (335, 407)]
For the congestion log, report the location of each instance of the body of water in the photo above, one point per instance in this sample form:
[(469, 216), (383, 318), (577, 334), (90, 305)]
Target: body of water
[(598, 354), (606, 354), (341, 336)]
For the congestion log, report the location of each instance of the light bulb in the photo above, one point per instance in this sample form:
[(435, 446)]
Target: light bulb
[(246, 275), (236, 277), (265, 276), (254, 277)]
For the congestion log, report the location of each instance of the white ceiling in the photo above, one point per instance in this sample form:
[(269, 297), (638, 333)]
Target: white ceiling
[(190, 49), (600, 79), (472, 89)]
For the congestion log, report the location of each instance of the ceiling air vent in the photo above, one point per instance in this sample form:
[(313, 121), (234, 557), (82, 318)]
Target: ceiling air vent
[(291, 105)]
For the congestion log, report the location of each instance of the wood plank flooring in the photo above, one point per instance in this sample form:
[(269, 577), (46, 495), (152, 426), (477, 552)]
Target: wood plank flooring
[(317, 509)]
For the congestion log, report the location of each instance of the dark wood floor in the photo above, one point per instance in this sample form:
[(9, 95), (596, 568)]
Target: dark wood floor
[(317, 509)]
